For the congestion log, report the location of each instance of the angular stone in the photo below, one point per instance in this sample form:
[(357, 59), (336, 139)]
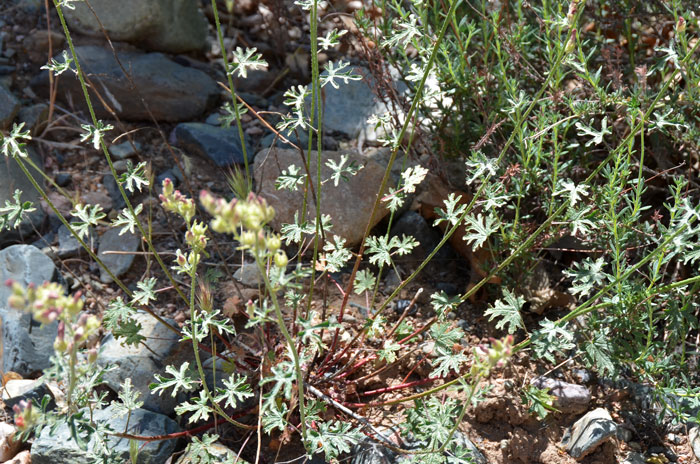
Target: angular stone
[(172, 92), (17, 390), (248, 275), (570, 398), (349, 203), (348, 107), (694, 440), (124, 150), (34, 117), (69, 246), (60, 448), (9, 107), (589, 432), (217, 451), (413, 224), (140, 363), (220, 145), (12, 178), (9, 444), (25, 343), (172, 26), (120, 262)]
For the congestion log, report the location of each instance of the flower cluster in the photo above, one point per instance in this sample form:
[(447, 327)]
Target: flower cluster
[(25, 416), (245, 219), (494, 356), (252, 213), (173, 200), (49, 303)]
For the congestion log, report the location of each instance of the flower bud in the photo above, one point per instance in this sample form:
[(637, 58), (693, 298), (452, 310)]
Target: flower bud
[(571, 44), (281, 259), (273, 243), (92, 354), (680, 25)]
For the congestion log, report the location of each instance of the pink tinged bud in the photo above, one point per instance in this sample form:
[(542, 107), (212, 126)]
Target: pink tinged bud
[(9, 282), (83, 319)]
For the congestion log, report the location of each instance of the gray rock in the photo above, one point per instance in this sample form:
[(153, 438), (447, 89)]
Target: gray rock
[(173, 92), (60, 448), (124, 150), (271, 139), (349, 203), (110, 184), (217, 451), (589, 432), (694, 440), (34, 117), (30, 6), (348, 107), (9, 107), (63, 179), (171, 26), (140, 363), (12, 178), (118, 263), (413, 224), (634, 458), (17, 390), (220, 145), (368, 451), (570, 398), (248, 275), (69, 246), (26, 344)]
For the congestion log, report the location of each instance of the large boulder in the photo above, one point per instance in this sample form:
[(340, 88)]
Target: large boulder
[(12, 178), (220, 145), (59, 447), (26, 345), (349, 204), (172, 26), (172, 92)]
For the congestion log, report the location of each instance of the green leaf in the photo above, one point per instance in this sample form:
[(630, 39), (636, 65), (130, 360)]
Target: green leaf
[(181, 380), (508, 312), (479, 229)]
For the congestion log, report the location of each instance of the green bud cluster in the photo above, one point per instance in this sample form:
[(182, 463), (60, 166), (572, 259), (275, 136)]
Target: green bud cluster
[(493, 356), (229, 216)]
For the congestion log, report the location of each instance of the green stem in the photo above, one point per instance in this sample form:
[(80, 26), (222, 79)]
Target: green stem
[(229, 77)]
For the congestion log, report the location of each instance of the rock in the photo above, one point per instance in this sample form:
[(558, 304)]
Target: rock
[(118, 263), (97, 198), (115, 195), (588, 433), (34, 117), (60, 448), (220, 145), (26, 344), (9, 445), (271, 139), (248, 275), (9, 107), (171, 26), (17, 390), (349, 203), (173, 92), (169, 174), (12, 178), (257, 81), (348, 107), (124, 150), (634, 458), (694, 440), (216, 450), (413, 224), (140, 363), (368, 451), (22, 458), (69, 246), (63, 179), (570, 398)]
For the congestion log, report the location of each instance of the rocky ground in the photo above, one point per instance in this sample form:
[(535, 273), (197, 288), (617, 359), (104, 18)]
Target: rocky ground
[(166, 112)]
